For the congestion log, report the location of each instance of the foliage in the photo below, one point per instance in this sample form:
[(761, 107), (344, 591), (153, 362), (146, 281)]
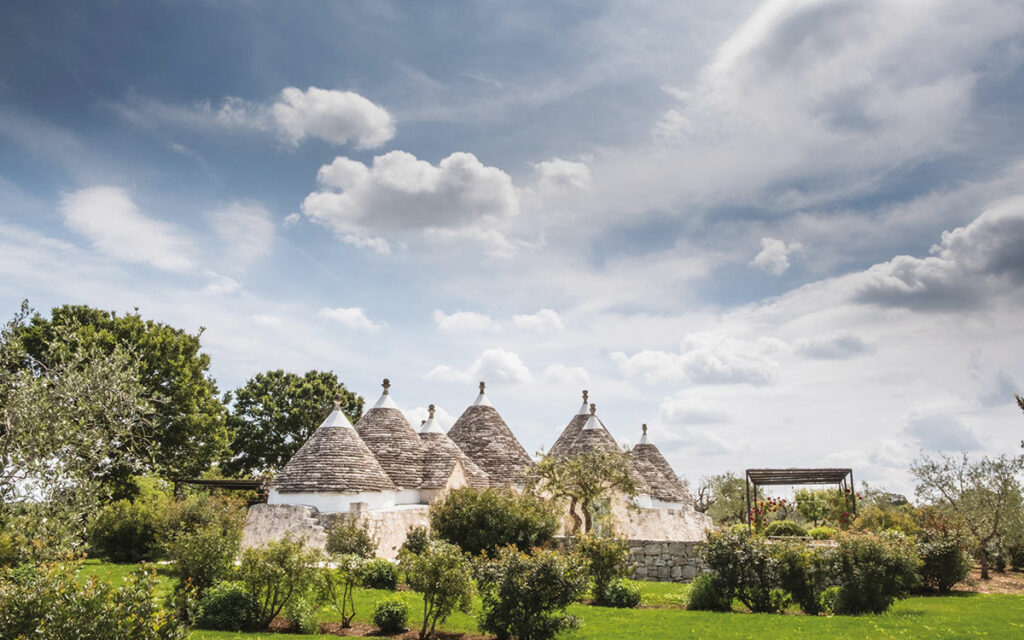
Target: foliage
[(622, 593), (444, 577), (944, 560), (301, 614), (486, 520), (826, 506), (878, 519), (349, 537), (768, 510), (822, 533), (708, 593), (746, 570), (606, 559), (803, 572), (742, 529), (726, 500), (202, 557), (124, 531), (874, 571), (15, 548), (985, 494), (785, 528), (48, 602), (380, 574), (525, 596), (416, 540), (67, 410), (228, 606), (188, 430), (830, 600), (586, 480), (277, 573), (338, 585), (275, 412), (391, 615)]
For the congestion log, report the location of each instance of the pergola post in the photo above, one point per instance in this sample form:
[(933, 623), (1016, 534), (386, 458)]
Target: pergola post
[(747, 485)]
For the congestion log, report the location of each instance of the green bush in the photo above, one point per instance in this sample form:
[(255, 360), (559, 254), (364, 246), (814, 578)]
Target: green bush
[(525, 596), (944, 560), (1015, 554), (804, 572), (742, 529), (48, 602), (444, 576), (349, 537), (15, 548), (707, 593), (785, 528), (606, 559), (228, 606), (124, 532), (277, 573), (380, 574), (486, 520), (622, 593), (391, 615), (203, 557), (416, 540), (830, 599), (874, 572), (301, 615), (338, 584), (225, 513), (746, 569), (822, 533)]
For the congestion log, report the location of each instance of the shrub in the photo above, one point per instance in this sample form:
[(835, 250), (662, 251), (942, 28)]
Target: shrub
[(525, 596), (487, 520), (708, 594), (742, 529), (380, 574), (48, 602), (349, 537), (224, 513), (416, 540), (277, 573), (746, 570), (879, 519), (804, 573), (944, 560), (124, 531), (874, 571), (622, 593), (301, 615), (338, 585), (830, 599), (228, 606), (15, 548), (785, 528), (444, 576), (606, 559), (1015, 554), (391, 615), (203, 557), (822, 533)]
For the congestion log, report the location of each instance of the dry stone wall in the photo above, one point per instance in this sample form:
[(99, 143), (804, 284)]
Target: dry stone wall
[(661, 561)]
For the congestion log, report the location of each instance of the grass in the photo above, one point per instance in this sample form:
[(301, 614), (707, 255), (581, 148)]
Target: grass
[(964, 615)]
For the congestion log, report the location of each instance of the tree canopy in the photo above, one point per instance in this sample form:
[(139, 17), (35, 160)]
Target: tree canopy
[(188, 429), (275, 412), (724, 498), (585, 480)]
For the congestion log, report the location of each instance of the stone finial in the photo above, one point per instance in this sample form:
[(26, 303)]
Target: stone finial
[(338, 399), (423, 422), (430, 409), (586, 394), (593, 408), (482, 385), (387, 385), (644, 427)]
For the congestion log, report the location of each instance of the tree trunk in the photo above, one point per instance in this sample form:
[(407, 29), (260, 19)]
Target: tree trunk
[(587, 519), (577, 522)]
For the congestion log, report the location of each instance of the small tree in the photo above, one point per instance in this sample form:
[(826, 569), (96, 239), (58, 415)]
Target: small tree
[(812, 505), (277, 573), (445, 578), (724, 498), (350, 537), (585, 480), (982, 493), (606, 559), (484, 521), (338, 585)]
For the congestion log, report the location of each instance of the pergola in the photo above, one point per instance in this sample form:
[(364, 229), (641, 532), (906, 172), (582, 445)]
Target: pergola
[(842, 478)]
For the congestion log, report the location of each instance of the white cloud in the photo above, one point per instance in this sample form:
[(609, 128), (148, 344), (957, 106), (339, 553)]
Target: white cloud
[(350, 318), (221, 284), (558, 174), (560, 373), (703, 358), (496, 365), (774, 256), (246, 231), (683, 409), (464, 321), (266, 320), (399, 193), (292, 219), (545, 320), (338, 117), (832, 346), (115, 226)]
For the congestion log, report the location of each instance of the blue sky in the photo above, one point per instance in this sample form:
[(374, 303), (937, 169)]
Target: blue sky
[(783, 233)]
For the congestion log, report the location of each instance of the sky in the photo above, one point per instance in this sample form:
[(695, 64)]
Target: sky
[(781, 233)]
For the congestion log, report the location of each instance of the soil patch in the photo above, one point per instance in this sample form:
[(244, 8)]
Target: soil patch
[(1006, 582), (361, 629)]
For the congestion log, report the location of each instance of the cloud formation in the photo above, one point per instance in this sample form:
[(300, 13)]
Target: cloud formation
[(544, 321), (774, 256), (246, 231), (703, 358), (497, 365), (339, 117), (464, 321), (835, 345), (350, 318)]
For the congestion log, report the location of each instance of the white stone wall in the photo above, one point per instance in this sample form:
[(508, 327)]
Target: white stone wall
[(266, 522), (661, 561)]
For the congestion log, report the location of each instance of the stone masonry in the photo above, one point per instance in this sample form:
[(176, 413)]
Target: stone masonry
[(661, 561)]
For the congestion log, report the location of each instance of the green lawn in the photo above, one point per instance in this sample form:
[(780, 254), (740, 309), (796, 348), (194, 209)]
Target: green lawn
[(958, 616)]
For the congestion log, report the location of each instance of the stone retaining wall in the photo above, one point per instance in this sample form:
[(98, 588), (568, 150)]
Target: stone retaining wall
[(660, 561)]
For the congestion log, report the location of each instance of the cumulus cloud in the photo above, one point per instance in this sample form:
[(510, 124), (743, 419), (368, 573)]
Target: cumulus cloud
[(564, 373), (109, 218), (703, 358), (967, 265), (498, 365), (246, 231), (399, 192), (338, 117), (942, 433), (266, 320), (681, 409), (545, 320), (835, 345), (774, 256), (558, 174), (464, 321), (350, 318)]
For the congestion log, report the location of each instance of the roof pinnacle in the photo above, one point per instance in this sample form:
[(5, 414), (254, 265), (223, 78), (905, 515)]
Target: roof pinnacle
[(387, 385), (430, 409), (482, 385), (585, 395), (593, 408), (644, 427), (338, 399)]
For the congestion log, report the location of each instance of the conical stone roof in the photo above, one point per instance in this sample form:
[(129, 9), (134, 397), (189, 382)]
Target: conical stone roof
[(663, 481), (440, 456), (561, 446), (393, 441), (482, 435), (333, 459)]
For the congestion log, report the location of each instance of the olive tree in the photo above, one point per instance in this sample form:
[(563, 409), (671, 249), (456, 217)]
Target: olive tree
[(445, 578), (585, 480)]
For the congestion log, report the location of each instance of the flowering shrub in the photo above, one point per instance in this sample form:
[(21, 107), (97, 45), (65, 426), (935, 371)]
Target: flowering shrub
[(746, 570), (760, 512)]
